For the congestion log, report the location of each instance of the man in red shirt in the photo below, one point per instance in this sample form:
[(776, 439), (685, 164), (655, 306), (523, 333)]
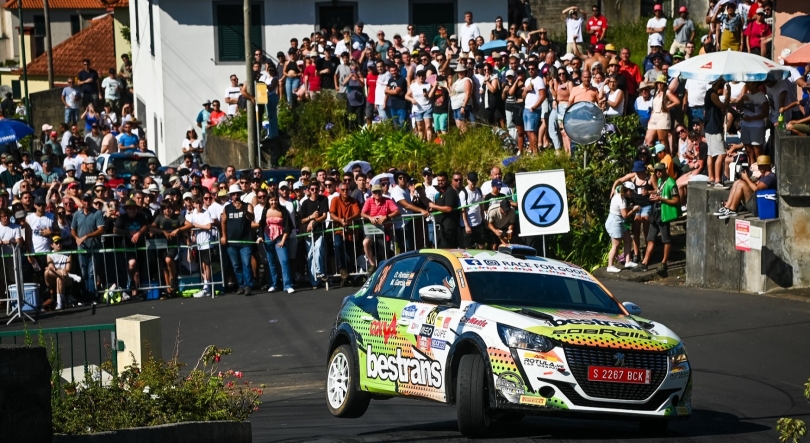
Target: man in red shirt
[(631, 73), (371, 83), (756, 31), (217, 114), (377, 210), (597, 25)]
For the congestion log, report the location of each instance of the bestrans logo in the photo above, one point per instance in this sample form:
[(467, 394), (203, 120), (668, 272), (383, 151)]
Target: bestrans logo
[(618, 359), (402, 369), (386, 330)]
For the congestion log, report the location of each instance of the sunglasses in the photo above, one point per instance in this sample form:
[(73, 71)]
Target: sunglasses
[(206, 198), (243, 183), (261, 196)]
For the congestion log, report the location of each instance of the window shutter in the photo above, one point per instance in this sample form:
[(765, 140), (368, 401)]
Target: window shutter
[(230, 32)]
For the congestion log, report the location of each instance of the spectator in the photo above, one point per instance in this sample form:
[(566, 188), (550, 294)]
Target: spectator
[(621, 211), (755, 113), (71, 98), (729, 27), (237, 222), (379, 211), (395, 91), (447, 223), (614, 98), (643, 104), (468, 31), (89, 81), (499, 33), (112, 89), (57, 272), (327, 68), (746, 188), (573, 26), (90, 117), (128, 140), (217, 115), (86, 227), (663, 101), (344, 212), (714, 110), (312, 213), (666, 208), (656, 27), (472, 216), (535, 107), (663, 157), (418, 94), (500, 224), (92, 140), (232, 94), (684, 29), (696, 161), (597, 25), (756, 32)]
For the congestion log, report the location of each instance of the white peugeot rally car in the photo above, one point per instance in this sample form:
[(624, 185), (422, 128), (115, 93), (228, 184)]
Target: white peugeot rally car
[(500, 335)]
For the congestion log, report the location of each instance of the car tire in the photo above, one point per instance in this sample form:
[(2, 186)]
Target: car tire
[(654, 426), (472, 397), (342, 399)]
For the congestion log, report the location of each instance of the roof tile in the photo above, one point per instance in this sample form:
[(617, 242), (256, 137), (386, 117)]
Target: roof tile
[(96, 42), (69, 4)]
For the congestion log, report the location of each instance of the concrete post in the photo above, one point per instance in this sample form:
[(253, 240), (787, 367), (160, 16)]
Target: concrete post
[(141, 335)]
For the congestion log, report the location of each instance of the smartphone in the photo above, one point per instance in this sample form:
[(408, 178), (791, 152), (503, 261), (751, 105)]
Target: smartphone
[(443, 84)]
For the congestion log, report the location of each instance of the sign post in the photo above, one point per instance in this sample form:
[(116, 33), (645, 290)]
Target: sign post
[(543, 203)]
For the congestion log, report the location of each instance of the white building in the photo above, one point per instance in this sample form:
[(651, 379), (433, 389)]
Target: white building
[(185, 50)]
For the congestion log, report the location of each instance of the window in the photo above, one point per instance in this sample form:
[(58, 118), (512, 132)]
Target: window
[(39, 25), (230, 37), (397, 278), (428, 15), (137, 25), (75, 24), (434, 273), (151, 29)]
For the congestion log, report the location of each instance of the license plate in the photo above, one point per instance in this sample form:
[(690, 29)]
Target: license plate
[(619, 375)]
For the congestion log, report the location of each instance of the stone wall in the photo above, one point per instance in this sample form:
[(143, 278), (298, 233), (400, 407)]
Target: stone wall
[(222, 152), (784, 261), (47, 107), (548, 13), (25, 394)]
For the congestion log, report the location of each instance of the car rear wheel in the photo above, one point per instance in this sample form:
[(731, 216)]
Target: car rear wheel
[(472, 398), (342, 398)]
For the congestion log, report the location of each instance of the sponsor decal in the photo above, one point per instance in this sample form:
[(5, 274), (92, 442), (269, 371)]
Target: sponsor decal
[(439, 321), (678, 375), (413, 328), (535, 401), (423, 343), (439, 333), (601, 332), (426, 331), (438, 344), (382, 279), (431, 317), (682, 410), (525, 266), (510, 385), (381, 328), (543, 364), (596, 322), (446, 323), (409, 312), (473, 322), (401, 369), (539, 356), (402, 278)]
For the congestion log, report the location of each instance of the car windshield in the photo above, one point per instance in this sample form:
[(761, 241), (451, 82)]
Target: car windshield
[(126, 166), (539, 291)]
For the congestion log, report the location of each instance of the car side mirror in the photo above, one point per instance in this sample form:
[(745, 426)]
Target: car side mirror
[(632, 308), (435, 293)]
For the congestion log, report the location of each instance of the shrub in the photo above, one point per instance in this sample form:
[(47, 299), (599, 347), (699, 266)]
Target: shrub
[(791, 429), (234, 128), (153, 394)]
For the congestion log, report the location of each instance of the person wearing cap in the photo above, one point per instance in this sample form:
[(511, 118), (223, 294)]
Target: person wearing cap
[(757, 33), (663, 100), (716, 103), (684, 29), (203, 118), (47, 174), (200, 221), (237, 220), (133, 225), (86, 228), (745, 188), (655, 27), (12, 174), (729, 27), (378, 210), (666, 208), (41, 225), (643, 105), (89, 173), (58, 272), (662, 157), (573, 28), (597, 25), (28, 163), (622, 209)]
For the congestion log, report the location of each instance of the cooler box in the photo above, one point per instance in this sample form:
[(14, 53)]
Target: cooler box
[(766, 204), (31, 294)]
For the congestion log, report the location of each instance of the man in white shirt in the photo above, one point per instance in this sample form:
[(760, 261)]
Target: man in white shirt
[(401, 196), (573, 29), (468, 31), (472, 217), (535, 106), (656, 25), (752, 127), (695, 96), (232, 94), (495, 174), (344, 45), (379, 93)]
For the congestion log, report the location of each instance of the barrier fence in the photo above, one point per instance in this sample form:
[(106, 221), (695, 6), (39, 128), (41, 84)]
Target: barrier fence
[(195, 261)]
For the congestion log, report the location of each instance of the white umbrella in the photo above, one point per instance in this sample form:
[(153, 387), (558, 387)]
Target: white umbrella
[(366, 166), (730, 65), (378, 177)]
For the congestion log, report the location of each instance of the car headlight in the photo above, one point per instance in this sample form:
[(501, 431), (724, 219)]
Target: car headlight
[(518, 338), (678, 355)]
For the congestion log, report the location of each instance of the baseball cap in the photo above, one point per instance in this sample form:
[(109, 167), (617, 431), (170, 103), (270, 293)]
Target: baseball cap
[(376, 187), (610, 47), (567, 57), (56, 239), (289, 178), (206, 103), (46, 127), (188, 195), (683, 9), (472, 176), (153, 188), (130, 203), (297, 185), (427, 171), (659, 147), (39, 200), (629, 185), (658, 7), (497, 183), (89, 160), (678, 54), (510, 72), (306, 169), (70, 167), (152, 160), (656, 40), (54, 134), (435, 49), (760, 11), (660, 167), (222, 193), (600, 47), (283, 184)]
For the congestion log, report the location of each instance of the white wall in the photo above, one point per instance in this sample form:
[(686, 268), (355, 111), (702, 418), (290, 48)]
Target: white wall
[(183, 73)]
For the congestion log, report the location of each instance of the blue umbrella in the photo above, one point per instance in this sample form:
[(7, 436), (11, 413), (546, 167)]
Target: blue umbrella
[(13, 130), (797, 28), (493, 46)]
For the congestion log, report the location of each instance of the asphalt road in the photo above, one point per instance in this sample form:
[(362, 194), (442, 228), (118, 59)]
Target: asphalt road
[(748, 352)]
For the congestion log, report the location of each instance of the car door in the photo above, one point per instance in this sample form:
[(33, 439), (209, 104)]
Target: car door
[(384, 349), (430, 326)]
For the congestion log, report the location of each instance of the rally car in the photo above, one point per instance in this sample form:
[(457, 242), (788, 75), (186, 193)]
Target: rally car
[(500, 335)]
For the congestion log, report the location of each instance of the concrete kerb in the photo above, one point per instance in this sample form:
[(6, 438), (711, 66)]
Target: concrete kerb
[(189, 432)]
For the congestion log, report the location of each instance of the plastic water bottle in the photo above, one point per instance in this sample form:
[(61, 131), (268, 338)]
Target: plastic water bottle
[(780, 122)]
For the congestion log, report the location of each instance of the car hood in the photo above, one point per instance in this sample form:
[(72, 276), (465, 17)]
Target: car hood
[(586, 328)]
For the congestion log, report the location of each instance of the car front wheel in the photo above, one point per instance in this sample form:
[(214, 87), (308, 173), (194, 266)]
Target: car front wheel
[(342, 398), (472, 398)]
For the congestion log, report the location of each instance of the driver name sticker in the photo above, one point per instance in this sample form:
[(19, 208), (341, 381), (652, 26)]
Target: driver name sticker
[(562, 270)]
